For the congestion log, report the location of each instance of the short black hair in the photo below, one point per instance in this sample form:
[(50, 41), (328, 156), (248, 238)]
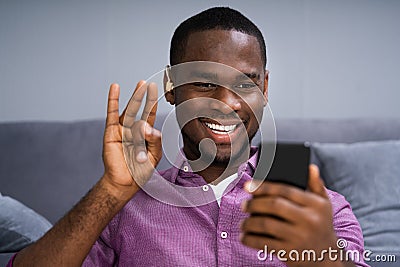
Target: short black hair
[(223, 18)]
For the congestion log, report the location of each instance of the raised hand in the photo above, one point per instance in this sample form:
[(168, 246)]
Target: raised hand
[(77, 231), (136, 137)]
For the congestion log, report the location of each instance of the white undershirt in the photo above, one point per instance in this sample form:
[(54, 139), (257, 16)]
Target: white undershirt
[(221, 186)]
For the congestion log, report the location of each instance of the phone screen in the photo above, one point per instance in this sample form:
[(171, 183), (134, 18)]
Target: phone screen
[(289, 165)]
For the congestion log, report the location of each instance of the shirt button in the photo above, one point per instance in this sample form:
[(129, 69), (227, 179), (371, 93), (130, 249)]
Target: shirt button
[(224, 234), (185, 168), (205, 188)]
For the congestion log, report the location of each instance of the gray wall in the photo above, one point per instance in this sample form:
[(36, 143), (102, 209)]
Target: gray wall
[(328, 59)]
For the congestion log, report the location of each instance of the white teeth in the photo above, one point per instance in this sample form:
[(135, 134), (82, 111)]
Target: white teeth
[(220, 129)]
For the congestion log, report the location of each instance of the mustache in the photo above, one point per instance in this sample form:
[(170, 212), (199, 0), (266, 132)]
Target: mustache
[(219, 115), (211, 116)]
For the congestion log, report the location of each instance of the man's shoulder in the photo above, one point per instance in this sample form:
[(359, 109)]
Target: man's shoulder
[(338, 200), (341, 208), (168, 174)]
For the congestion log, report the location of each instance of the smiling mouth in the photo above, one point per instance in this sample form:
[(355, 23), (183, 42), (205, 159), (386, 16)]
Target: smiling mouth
[(221, 129)]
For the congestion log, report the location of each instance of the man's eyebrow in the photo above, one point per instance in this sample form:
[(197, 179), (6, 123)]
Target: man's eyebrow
[(212, 76), (253, 75), (204, 75)]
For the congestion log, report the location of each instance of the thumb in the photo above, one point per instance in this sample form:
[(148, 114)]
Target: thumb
[(315, 183)]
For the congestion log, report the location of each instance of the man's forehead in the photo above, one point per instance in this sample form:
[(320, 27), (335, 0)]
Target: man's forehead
[(217, 33), (221, 45)]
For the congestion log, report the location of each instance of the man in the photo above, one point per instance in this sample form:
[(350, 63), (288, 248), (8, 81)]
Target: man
[(118, 223)]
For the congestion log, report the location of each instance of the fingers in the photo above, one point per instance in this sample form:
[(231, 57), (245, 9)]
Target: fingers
[(283, 215), (298, 196), (150, 109), (259, 242), (154, 144), (146, 139), (279, 207), (128, 116), (130, 112), (273, 189), (138, 140), (267, 226), (315, 183), (113, 105), (122, 117), (139, 135)]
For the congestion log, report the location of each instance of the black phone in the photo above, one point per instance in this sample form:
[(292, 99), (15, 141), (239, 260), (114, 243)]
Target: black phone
[(288, 165)]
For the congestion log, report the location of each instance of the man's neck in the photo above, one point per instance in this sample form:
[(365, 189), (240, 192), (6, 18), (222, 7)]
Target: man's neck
[(215, 173)]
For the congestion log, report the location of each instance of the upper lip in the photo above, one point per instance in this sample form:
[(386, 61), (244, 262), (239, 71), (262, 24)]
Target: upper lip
[(222, 121)]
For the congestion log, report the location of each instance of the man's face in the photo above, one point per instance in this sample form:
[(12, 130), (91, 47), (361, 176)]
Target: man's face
[(228, 115)]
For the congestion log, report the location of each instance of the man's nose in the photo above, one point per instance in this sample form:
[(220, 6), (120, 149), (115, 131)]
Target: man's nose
[(228, 100)]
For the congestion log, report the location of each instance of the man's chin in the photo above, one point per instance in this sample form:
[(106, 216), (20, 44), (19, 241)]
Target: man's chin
[(235, 158), (226, 154)]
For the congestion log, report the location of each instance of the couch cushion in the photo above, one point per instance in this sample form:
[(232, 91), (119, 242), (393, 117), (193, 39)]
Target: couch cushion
[(368, 175), (337, 130), (19, 225)]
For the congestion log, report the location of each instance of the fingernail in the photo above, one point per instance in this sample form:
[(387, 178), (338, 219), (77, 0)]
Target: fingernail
[(148, 130), (141, 157), (252, 186), (156, 133), (249, 186)]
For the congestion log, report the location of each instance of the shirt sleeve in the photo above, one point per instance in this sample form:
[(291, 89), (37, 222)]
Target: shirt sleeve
[(102, 254), (348, 229), (99, 255)]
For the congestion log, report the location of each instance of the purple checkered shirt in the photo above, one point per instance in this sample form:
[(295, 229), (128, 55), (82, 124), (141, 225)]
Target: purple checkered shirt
[(147, 232)]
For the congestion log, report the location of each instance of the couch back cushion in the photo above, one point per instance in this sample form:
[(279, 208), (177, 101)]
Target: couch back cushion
[(368, 175), (50, 165)]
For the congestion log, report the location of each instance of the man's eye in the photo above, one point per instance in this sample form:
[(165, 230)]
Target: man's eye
[(205, 86), (245, 85)]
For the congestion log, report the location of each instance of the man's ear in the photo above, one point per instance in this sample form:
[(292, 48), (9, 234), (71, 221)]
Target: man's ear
[(168, 86), (170, 97), (265, 91)]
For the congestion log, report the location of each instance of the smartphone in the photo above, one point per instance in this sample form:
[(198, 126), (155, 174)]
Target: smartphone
[(289, 163)]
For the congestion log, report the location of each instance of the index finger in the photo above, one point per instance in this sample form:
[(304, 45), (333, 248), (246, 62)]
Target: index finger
[(289, 192), (113, 105)]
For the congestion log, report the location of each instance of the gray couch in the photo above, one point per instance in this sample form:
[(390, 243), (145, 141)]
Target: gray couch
[(49, 166)]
